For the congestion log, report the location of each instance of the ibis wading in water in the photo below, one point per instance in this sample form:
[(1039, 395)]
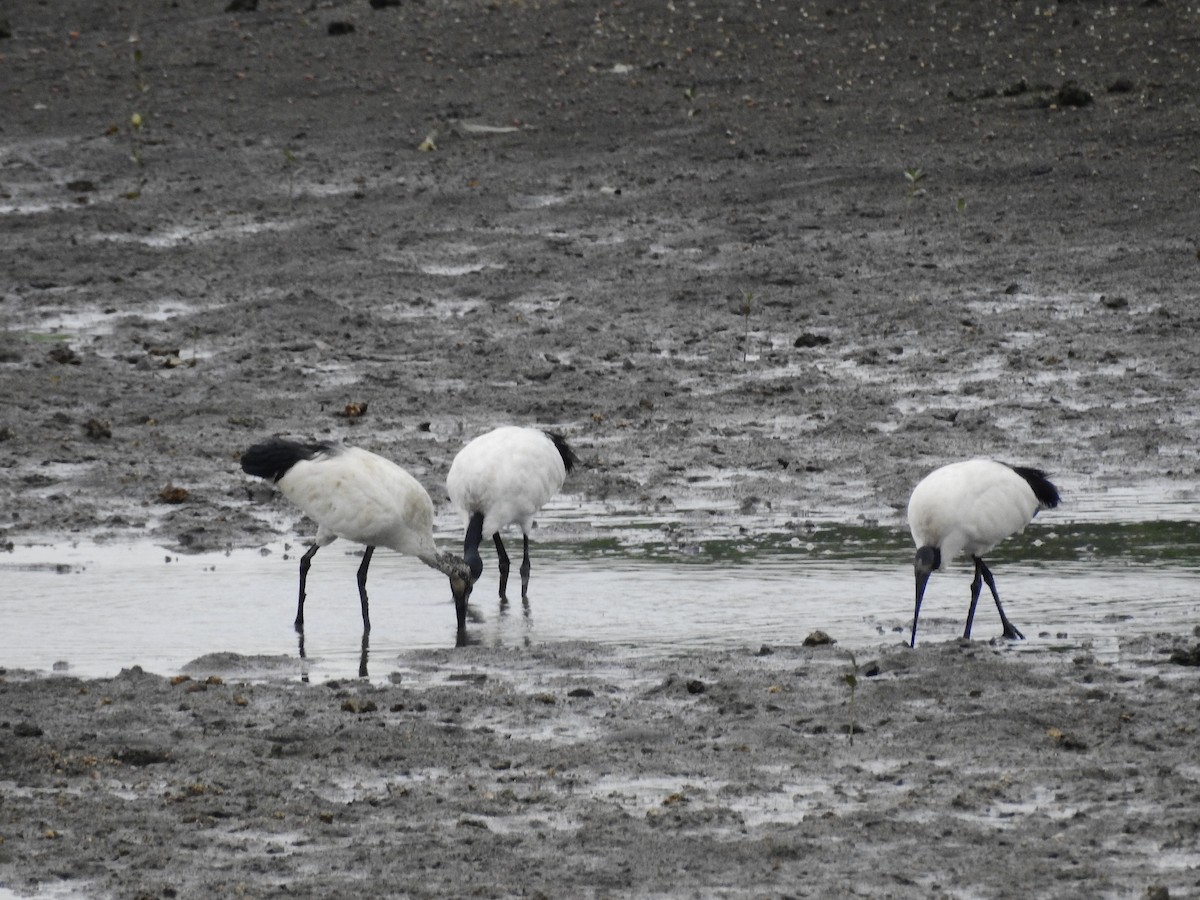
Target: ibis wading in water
[(354, 494), (503, 478), (971, 507)]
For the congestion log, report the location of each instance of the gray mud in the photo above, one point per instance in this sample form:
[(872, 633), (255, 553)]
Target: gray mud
[(570, 771), (692, 246)]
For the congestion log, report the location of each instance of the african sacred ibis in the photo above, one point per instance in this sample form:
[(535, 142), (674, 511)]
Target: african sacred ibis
[(503, 478), (970, 507), (354, 494)]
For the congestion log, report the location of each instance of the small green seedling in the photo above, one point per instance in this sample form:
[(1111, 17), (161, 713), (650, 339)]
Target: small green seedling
[(914, 177), (747, 308), (851, 679)]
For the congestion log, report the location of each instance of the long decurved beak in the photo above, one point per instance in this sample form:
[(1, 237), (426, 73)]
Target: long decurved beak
[(460, 588), (922, 580), (927, 561)]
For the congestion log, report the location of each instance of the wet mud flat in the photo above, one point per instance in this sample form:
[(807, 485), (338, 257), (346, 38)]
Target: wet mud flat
[(780, 260), (961, 769)]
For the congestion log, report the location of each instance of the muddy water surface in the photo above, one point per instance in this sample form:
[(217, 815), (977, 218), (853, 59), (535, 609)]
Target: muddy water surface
[(642, 586)]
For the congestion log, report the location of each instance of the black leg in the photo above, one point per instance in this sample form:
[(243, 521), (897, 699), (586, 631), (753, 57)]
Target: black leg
[(525, 568), (362, 659), (976, 587), (502, 554), (362, 588), (305, 564), (1010, 630)]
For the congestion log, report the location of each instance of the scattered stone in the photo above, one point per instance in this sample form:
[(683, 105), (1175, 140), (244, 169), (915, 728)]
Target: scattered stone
[(1016, 89), (64, 355), (98, 429), (1183, 657), (471, 677), (1071, 94), (138, 756), (339, 28), (27, 729), (236, 6), (581, 692), (696, 686), (809, 340), (818, 638)]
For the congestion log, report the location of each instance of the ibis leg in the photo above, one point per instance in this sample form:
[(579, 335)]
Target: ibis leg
[(362, 658), (525, 567), (976, 587), (305, 564), (362, 588), (502, 555), (1010, 630)]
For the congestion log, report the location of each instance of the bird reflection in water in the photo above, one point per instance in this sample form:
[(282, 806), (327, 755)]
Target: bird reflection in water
[(364, 653)]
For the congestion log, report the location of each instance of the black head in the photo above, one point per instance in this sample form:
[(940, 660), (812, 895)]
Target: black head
[(928, 559)]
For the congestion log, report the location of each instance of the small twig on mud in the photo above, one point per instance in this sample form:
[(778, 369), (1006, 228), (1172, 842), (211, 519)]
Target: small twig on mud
[(851, 679), (747, 307)]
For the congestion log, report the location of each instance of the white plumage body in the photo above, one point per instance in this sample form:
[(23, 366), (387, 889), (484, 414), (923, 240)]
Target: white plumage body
[(970, 507), (507, 474), (354, 494)]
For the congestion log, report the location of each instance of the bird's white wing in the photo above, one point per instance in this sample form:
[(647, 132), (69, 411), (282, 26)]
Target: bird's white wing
[(357, 495)]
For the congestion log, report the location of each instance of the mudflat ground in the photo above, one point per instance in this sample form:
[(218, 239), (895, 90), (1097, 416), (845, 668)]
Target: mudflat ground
[(767, 260)]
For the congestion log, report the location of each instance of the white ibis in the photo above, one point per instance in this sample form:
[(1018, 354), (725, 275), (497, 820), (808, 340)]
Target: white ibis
[(354, 494), (971, 507), (503, 478)]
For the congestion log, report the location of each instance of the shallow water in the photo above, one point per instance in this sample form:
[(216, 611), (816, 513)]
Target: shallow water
[(642, 586)]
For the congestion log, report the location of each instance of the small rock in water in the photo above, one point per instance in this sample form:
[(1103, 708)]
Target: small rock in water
[(1183, 657), (818, 638)]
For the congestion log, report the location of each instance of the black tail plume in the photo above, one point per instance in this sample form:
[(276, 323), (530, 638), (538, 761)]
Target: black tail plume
[(1046, 493), (570, 460), (272, 459)]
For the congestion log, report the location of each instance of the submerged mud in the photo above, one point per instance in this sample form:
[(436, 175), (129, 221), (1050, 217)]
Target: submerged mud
[(758, 262)]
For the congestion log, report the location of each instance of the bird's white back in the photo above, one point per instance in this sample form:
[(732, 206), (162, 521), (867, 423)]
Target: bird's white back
[(507, 474), (354, 494), (969, 506)]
